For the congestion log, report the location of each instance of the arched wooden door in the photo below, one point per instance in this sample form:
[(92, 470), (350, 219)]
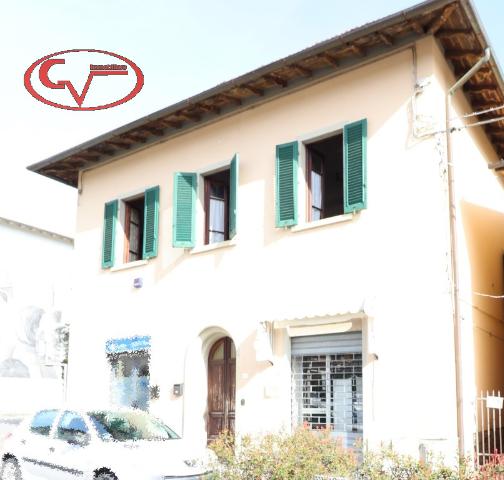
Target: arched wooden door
[(221, 387)]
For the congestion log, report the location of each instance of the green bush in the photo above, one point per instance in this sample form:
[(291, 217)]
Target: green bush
[(308, 455), (299, 456)]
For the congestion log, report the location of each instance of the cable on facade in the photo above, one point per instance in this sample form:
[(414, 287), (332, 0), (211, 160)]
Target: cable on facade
[(481, 112)]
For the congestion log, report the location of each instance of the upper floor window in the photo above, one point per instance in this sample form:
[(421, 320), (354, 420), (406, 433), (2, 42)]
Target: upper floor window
[(205, 205), (324, 176), (217, 207), (133, 229), (333, 173), (130, 228)]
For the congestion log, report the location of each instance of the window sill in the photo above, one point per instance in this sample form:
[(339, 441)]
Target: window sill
[(213, 246), (126, 266), (347, 217)]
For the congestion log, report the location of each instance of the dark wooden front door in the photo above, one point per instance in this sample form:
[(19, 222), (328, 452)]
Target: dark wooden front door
[(221, 387)]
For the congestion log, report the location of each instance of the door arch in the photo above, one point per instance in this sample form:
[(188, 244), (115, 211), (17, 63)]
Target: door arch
[(221, 388)]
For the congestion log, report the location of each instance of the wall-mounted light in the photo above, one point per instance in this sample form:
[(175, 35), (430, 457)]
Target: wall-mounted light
[(138, 282), (178, 389)]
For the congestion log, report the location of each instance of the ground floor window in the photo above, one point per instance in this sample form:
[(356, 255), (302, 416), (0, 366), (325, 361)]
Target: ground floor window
[(327, 384)]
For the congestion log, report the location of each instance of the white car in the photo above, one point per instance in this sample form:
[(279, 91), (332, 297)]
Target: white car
[(99, 445)]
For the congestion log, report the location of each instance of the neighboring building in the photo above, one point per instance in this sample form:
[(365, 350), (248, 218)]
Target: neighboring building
[(278, 250), (35, 278)]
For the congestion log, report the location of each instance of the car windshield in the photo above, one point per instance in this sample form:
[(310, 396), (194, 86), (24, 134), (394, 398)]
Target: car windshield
[(126, 426)]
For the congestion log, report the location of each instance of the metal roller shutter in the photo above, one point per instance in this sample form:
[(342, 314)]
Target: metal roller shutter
[(350, 342), (327, 384)]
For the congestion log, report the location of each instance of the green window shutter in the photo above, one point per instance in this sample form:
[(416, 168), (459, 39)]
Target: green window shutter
[(151, 221), (233, 192), (286, 184), (184, 209), (109, 226), (354, 166)]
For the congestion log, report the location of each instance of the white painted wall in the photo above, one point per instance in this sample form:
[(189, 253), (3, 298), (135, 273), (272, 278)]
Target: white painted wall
[(35, 283)]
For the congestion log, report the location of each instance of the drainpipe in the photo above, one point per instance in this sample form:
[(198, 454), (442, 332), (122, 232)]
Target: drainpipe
[(457, 321)]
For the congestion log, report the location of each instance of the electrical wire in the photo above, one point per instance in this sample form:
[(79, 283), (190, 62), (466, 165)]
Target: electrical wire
[(489, 333), (477, 124), (487, 295), (481, 112)]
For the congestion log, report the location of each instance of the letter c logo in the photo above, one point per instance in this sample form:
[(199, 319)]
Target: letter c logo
[(44, 71)]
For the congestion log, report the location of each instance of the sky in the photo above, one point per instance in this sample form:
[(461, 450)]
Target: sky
[(182, 48)]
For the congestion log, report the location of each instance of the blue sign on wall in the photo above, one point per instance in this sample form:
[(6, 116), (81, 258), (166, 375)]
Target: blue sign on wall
[(132, 344)]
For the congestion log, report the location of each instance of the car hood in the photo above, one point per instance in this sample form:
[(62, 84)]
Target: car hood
[(170, 457)]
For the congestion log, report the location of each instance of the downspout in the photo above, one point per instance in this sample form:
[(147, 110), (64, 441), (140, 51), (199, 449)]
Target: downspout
[(457, 321)]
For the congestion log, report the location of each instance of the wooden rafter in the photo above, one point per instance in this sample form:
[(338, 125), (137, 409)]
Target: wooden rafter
[(230, 98), (453, 32), (189, 116), (254, 90), (328, 58), (158, 132), (171, 123), (135, 137), (119, 144), (102, 150), (462, 53), (300, 69), (480, 88), (442, 19), (485, 104), (358, 50), (277, 79), (385, 38), (416, 27), (209, 108)]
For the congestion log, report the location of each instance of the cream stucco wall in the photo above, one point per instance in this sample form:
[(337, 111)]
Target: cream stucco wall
[(480, 241), (388, 265)]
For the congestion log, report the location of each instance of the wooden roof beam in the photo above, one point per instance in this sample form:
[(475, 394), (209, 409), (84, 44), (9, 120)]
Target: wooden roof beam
[(482, 87), (485, 104), (453, 32), (442, 19), (277, 79), (189, 116), (102, 150), (135, 137), (256, 91), (119, 144), (209, 108), (328, 58), (462, 53), (300, 69), (416, 27), (385, 38), (170, 123), (230, 98), (158, 132), (360, 51)]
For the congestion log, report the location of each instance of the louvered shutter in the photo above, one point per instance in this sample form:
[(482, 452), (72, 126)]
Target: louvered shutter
[(109, 225), (286, 184), (354, 162), (233, 194), (151, 220), (184, 209)]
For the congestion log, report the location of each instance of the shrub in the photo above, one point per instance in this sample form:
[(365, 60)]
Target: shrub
[(308, 455), (299, 456)]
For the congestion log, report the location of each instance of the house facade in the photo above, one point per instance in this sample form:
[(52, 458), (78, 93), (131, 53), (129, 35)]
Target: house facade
[(278, 251)]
